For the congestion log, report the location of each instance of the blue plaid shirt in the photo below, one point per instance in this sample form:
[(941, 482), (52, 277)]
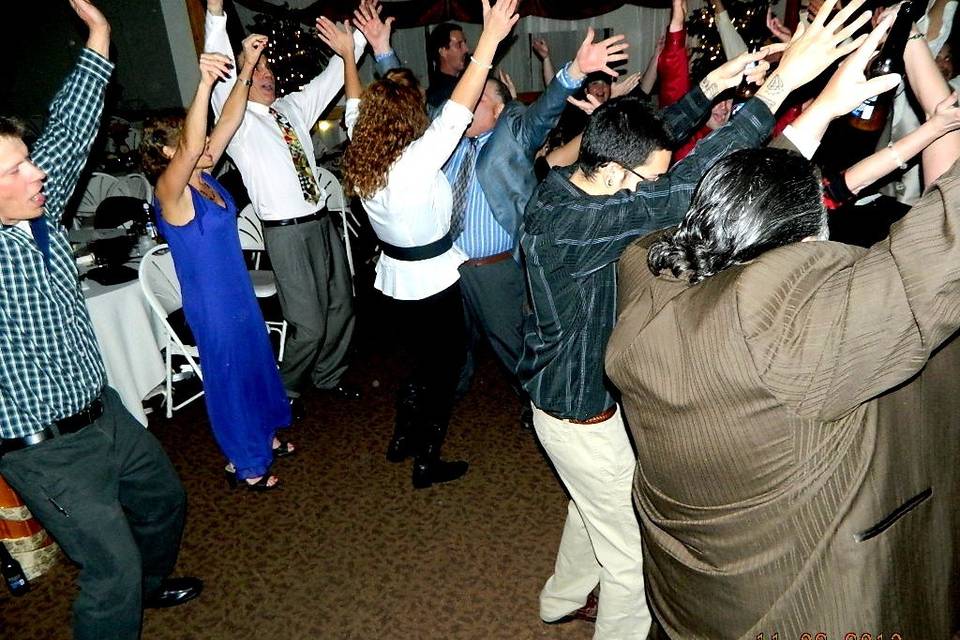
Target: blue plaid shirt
[(571, 242), (50, 364)]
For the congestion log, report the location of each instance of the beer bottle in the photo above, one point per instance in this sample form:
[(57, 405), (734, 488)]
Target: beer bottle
[(746, 89), (871, 115), (12, 573)]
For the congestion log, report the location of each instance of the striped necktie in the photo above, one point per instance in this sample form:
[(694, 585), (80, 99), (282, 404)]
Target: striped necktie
[(461, 188), (308, 183)]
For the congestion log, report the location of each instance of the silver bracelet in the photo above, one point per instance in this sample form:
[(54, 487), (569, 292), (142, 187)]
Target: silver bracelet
[(896, 157), (480, 64)]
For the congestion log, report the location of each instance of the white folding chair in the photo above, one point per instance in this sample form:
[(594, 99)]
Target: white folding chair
[(337, 202), (161, 288), (264, 282), (98, 188), (137, 186)]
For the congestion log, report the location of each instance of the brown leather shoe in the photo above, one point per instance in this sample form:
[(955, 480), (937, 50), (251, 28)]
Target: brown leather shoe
[(587, 613)]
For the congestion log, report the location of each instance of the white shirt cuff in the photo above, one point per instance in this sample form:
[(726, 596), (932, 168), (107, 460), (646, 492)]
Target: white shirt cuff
[(806, 145)]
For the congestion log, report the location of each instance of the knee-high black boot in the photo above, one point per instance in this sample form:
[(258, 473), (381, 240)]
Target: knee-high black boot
[(403, 443), (428, 468)]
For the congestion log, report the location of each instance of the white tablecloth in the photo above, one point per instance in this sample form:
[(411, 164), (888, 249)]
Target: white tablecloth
[(124, 326)]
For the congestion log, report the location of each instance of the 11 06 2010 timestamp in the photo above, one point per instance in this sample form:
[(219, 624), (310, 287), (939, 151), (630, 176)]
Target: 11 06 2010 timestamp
[(823, 636)]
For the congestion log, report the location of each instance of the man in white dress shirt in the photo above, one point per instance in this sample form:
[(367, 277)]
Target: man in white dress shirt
[(274, 153)]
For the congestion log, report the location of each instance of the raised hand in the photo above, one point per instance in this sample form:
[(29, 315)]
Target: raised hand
[(625, 85), (337, 36), (777, 28), (588, 106), (541, 48), (213, 67), (505, 78), (816, 46), (678, 15), (598, 56), (848, 86), (377, 32), (98, 38), (499, 19), (253, 46), (729, 74)]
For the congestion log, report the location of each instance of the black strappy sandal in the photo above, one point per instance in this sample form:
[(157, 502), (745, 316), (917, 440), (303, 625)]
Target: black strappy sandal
[(284, 450), (259, 485)]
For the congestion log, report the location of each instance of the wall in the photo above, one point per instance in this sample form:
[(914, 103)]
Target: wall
[(43, 54)]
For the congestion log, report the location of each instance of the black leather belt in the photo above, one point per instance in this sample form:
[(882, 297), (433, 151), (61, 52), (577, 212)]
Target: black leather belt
[(62, 427), (302, 219), (423, 252)]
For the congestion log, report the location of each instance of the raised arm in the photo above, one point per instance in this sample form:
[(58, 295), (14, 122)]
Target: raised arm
[(931, 90), (649, 78), (317, 95), (62, 149), (497, 23), (171, 188), (216, 40), (673, 64), (730, 39), (542, 116), (377, 32), (542, 49), (339, 37), (236, 104)]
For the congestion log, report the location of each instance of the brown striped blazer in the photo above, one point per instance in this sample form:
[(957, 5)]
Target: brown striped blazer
[(797, 423)]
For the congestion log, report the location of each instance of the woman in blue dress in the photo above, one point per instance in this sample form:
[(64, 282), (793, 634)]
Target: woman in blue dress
[(244, 395)]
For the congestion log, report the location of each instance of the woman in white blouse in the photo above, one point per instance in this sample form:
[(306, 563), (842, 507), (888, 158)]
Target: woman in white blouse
[(394, 163)]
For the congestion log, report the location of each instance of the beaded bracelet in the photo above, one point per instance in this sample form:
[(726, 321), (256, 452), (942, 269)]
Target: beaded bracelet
[(896, 157), (480, 64)]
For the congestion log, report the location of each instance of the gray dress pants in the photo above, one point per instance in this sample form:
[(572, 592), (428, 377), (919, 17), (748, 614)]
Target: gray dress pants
[(493, 299), (313, 283), (110, 497)]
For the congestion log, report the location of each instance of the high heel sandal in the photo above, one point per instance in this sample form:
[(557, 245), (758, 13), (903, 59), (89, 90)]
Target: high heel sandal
[(260, 485), (284, 450)]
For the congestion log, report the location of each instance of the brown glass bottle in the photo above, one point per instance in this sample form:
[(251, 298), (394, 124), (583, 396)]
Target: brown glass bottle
[(871, 115)]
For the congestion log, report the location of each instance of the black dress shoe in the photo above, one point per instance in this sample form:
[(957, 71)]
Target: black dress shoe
[(297, 410), (173, 592), (526, 418), (343, 391), (435, 471)]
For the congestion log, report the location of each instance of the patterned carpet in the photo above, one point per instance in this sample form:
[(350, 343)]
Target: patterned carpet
[(347, 549)]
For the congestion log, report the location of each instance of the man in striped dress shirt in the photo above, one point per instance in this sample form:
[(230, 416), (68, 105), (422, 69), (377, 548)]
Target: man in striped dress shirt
[(88, 471)]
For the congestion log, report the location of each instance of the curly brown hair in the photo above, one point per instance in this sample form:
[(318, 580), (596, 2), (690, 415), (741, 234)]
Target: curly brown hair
[(392, 115), (157, 133)]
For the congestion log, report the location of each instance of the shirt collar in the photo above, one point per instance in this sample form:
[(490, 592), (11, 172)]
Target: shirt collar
[(257, 107), (481, 139)]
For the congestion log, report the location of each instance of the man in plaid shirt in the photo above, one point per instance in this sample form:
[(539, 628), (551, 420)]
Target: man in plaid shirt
[(100, 483)]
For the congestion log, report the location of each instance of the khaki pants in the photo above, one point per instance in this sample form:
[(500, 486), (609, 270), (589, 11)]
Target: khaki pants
[(601, 537)]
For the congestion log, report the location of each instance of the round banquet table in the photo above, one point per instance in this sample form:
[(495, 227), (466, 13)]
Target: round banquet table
[(129, 343)]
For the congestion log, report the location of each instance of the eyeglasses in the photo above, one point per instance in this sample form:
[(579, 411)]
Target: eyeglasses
[(641, 176)]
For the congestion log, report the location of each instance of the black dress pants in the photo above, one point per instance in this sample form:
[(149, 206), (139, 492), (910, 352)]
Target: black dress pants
[(112, 500), (435, 337)]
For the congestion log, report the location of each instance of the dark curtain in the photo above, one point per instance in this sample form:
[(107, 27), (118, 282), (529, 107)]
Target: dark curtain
[(412, 13)]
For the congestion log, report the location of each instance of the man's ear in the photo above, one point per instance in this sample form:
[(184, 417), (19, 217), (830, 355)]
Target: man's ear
[(498, 110)]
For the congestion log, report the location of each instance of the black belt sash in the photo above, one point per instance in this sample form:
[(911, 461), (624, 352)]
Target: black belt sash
[(423, 252)]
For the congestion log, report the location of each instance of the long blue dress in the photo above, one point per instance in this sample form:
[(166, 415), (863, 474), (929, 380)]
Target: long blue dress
[(245, 398)]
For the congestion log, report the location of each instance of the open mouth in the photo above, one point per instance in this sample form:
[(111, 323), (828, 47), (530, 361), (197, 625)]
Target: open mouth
[(39, 199)]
